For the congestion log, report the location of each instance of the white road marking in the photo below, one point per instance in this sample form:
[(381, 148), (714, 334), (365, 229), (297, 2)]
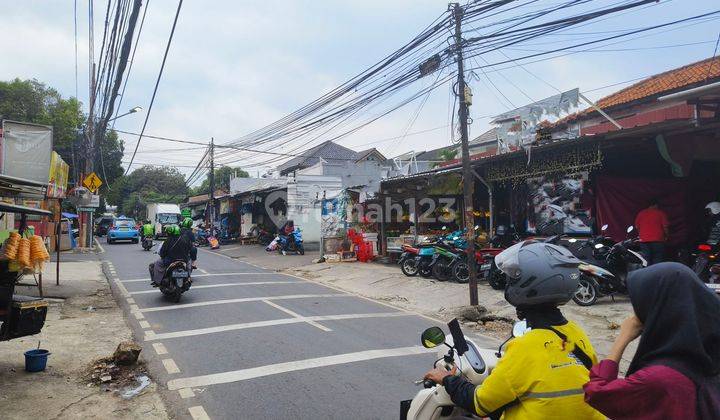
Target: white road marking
[(138, 315), (245, 273), (198, 413), (202, 271), (160, 349), (296, 315), (151, 335), (170, 366), (135, 308), (130, 301), (186, 393), (238, 300), (102, 250), (279, 368), (144, 324), (123, 290), (209, 286)]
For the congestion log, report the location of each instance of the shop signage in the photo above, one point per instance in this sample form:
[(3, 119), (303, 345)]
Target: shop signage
[(57, 182), (26, 150)]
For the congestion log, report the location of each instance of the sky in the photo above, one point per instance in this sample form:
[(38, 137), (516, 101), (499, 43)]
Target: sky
[(237, 65)]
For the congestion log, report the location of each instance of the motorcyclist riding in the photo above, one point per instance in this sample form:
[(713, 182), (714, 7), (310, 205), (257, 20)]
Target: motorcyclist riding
[(187, 232), (147, 230), (542, 373), (176, 247), (286, 232)]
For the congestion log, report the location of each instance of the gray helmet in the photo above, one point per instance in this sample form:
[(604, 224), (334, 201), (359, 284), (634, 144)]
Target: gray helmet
[(539, 273)]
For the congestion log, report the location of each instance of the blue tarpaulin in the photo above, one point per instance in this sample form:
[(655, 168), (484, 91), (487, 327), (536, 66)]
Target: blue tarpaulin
[(69, 215)]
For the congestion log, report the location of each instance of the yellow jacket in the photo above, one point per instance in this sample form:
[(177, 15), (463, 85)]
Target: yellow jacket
[(540, 377)]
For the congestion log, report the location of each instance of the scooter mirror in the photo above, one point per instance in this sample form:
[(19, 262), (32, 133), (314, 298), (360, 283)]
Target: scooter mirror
[(604, 228), (520, 328), (599, 246), (572, 240), (630, 229), (432, 337), (444, 228)]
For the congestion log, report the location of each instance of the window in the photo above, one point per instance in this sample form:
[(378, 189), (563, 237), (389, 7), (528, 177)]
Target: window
[(168, 218), (125, 223)]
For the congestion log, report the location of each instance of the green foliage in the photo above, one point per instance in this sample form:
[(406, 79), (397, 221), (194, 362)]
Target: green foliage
[(148, 184), (222, 180), (447, 155)]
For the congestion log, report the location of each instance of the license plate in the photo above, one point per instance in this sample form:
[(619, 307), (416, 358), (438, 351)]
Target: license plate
[(123, 229), (714, 286), (181, 274), (485, 267)]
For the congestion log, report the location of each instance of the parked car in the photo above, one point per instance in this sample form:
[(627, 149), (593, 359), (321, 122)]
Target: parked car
[(102, 224), (123, 229)]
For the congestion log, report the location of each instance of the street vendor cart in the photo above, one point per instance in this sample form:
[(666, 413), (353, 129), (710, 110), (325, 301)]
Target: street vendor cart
[(19, 315)]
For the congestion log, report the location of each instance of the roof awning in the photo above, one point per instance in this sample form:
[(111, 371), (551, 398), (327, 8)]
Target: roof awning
[(14, 208)]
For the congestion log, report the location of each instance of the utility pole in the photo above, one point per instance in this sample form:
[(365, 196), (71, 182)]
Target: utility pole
[(468, 180), (212, 183)]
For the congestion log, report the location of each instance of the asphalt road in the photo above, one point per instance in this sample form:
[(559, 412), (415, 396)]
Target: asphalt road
[(249, 343)]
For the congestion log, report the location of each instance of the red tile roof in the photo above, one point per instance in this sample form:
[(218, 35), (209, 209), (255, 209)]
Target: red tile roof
[(687, 76), (691, 74)]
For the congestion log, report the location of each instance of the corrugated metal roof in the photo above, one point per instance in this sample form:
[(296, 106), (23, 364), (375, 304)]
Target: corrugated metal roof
[(246, 185)]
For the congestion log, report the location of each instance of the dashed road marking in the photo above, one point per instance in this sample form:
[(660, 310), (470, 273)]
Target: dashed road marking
[(279, 368), (198, 413), (130, 300), (138, 315), (170, 366), (238, 300), (210, 286), (296, 315), (151, 335), (186, 393), (243, 273), (144, 324), (160, 349), (135, 308)]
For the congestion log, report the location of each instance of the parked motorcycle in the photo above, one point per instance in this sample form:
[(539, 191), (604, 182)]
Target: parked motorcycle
[(705, 255), (416, 259), (176, 280), (609, 276), (473, 362), (147, 243), (291, 243)]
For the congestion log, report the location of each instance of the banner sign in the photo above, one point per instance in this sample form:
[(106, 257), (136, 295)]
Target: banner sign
[(26, 150), (57, 183)]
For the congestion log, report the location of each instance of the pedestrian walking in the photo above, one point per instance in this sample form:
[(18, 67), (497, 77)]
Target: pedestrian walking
[(654, 230)]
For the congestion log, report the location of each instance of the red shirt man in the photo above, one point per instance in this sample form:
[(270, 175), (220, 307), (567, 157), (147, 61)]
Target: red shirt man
[(653, 228)]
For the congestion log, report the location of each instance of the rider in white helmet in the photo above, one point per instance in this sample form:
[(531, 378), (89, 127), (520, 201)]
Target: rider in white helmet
[(711, 227)]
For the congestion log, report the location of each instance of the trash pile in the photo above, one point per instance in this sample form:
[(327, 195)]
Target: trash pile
[(121, 372)]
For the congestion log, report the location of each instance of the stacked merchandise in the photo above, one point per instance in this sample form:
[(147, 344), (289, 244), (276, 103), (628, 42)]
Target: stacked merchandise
[(25, 254)]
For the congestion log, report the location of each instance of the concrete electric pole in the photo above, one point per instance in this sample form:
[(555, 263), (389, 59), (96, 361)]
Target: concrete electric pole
[(468, 180)]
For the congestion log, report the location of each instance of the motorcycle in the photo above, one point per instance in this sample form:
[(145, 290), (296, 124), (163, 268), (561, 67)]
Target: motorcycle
[(147, 243), (704, 256), (444, 261), (176, 280), (472, 362), (291, 243), (714, 280), (615, 261)]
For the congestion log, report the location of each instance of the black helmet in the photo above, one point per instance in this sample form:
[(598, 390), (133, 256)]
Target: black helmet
[(539, 273)]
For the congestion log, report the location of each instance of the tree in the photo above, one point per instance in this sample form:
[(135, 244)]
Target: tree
[(222, 179), (148, 184), (447, 155)]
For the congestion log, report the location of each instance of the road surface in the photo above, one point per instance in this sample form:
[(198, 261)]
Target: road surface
[(249, 343)]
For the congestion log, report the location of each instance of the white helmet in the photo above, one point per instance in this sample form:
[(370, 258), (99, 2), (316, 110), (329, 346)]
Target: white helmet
[(714, 207)]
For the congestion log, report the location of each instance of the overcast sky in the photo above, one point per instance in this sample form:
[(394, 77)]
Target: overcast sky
[(237, 65)]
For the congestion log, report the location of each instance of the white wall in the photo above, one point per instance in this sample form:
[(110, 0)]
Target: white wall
[(302, 192)]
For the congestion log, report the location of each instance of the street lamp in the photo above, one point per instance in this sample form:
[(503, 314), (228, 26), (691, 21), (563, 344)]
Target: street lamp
[(131, 111)]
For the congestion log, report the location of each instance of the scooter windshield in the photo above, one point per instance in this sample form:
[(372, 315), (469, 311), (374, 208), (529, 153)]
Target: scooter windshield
[(508, 261)]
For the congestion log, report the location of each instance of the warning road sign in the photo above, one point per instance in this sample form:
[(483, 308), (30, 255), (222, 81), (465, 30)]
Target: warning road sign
[(92, 182)]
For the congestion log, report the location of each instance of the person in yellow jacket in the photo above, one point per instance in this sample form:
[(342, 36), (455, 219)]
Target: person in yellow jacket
[(541, 373)]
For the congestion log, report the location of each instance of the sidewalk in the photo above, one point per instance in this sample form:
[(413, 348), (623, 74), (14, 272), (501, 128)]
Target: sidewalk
[(83, 324), (442, 300)]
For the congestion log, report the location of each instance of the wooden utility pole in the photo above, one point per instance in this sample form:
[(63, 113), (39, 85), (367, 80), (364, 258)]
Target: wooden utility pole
[(468, 180)]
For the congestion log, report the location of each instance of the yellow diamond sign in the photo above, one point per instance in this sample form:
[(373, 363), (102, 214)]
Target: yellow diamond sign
[(92, 182)]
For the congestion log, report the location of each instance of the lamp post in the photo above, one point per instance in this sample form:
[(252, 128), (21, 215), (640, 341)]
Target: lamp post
[(131, 111)]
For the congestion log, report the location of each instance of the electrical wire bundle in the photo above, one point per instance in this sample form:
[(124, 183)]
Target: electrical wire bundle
[(392, 83)]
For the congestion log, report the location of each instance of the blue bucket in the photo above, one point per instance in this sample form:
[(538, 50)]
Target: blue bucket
[(36, 360)]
